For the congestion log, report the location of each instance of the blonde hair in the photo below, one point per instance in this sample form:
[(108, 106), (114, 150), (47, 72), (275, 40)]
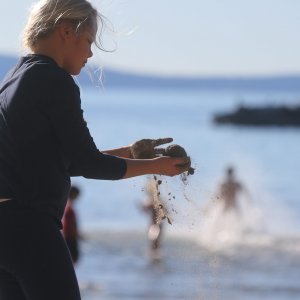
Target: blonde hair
[(47, 14)]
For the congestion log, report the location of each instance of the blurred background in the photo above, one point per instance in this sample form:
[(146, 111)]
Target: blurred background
[(222, 79)]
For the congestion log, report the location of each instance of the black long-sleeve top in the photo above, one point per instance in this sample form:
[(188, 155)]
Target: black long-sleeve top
[(44, 139)]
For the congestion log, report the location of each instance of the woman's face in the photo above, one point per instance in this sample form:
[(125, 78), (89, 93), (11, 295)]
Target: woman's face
[(79, 50)]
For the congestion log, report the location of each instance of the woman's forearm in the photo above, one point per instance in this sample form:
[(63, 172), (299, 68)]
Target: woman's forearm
[(121, 152), (169, 166)]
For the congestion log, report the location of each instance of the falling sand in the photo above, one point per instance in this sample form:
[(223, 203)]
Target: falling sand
[(144, 149)]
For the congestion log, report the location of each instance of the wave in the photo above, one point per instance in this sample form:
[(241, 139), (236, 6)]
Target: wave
[(247, 228), (220, 239)]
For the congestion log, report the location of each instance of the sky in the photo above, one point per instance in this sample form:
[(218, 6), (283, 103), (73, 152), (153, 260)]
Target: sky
[(186, 37)]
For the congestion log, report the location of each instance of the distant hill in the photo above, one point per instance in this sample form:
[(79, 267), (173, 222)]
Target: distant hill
[(113, 78), (6, 62)]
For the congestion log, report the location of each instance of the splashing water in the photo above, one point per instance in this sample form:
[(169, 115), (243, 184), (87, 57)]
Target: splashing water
[(230, 228), (207, 223)]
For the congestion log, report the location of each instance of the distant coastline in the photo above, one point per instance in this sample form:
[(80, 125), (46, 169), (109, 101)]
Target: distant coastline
[(114, 78)]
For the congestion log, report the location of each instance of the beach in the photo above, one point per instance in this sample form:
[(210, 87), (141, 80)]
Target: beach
[(204, 255), (117, 266)]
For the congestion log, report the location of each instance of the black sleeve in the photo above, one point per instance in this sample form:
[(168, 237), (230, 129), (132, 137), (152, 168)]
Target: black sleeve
[(63, 108)]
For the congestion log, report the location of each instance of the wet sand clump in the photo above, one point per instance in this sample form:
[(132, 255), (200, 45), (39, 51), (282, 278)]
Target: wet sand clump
[(145, 148), (142, 149), (178, 151)]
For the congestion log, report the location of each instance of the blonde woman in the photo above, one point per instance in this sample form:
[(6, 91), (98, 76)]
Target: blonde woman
[(43, 141)]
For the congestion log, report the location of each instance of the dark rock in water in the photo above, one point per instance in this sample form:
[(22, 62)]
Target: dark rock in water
[(264, 116)]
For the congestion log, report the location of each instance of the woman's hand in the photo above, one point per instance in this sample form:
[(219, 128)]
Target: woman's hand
[(172, 166)]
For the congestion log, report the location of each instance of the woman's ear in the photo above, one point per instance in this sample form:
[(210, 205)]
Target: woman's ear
[(66, 30)]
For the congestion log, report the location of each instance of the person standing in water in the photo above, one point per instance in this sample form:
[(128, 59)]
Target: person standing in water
[(44, 141), (70, 224), (229, 190)]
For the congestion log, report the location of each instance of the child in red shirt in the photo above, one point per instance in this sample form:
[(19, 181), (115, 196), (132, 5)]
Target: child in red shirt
[(70, 226)]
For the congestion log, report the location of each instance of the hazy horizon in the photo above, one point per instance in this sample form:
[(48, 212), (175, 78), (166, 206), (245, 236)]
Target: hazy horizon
[(14, 58), (194, 38)]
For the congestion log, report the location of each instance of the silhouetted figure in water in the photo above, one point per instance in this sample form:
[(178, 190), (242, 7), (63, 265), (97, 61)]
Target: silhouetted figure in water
[(229, 190), (232, 214)]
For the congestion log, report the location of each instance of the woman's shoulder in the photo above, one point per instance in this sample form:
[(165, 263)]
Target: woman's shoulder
[(43, 67), (44, 70)]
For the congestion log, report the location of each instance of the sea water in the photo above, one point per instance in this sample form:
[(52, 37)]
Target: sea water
[(205, 254)]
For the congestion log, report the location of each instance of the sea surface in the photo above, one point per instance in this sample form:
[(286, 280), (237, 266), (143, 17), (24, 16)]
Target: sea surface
[(205, 255)]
